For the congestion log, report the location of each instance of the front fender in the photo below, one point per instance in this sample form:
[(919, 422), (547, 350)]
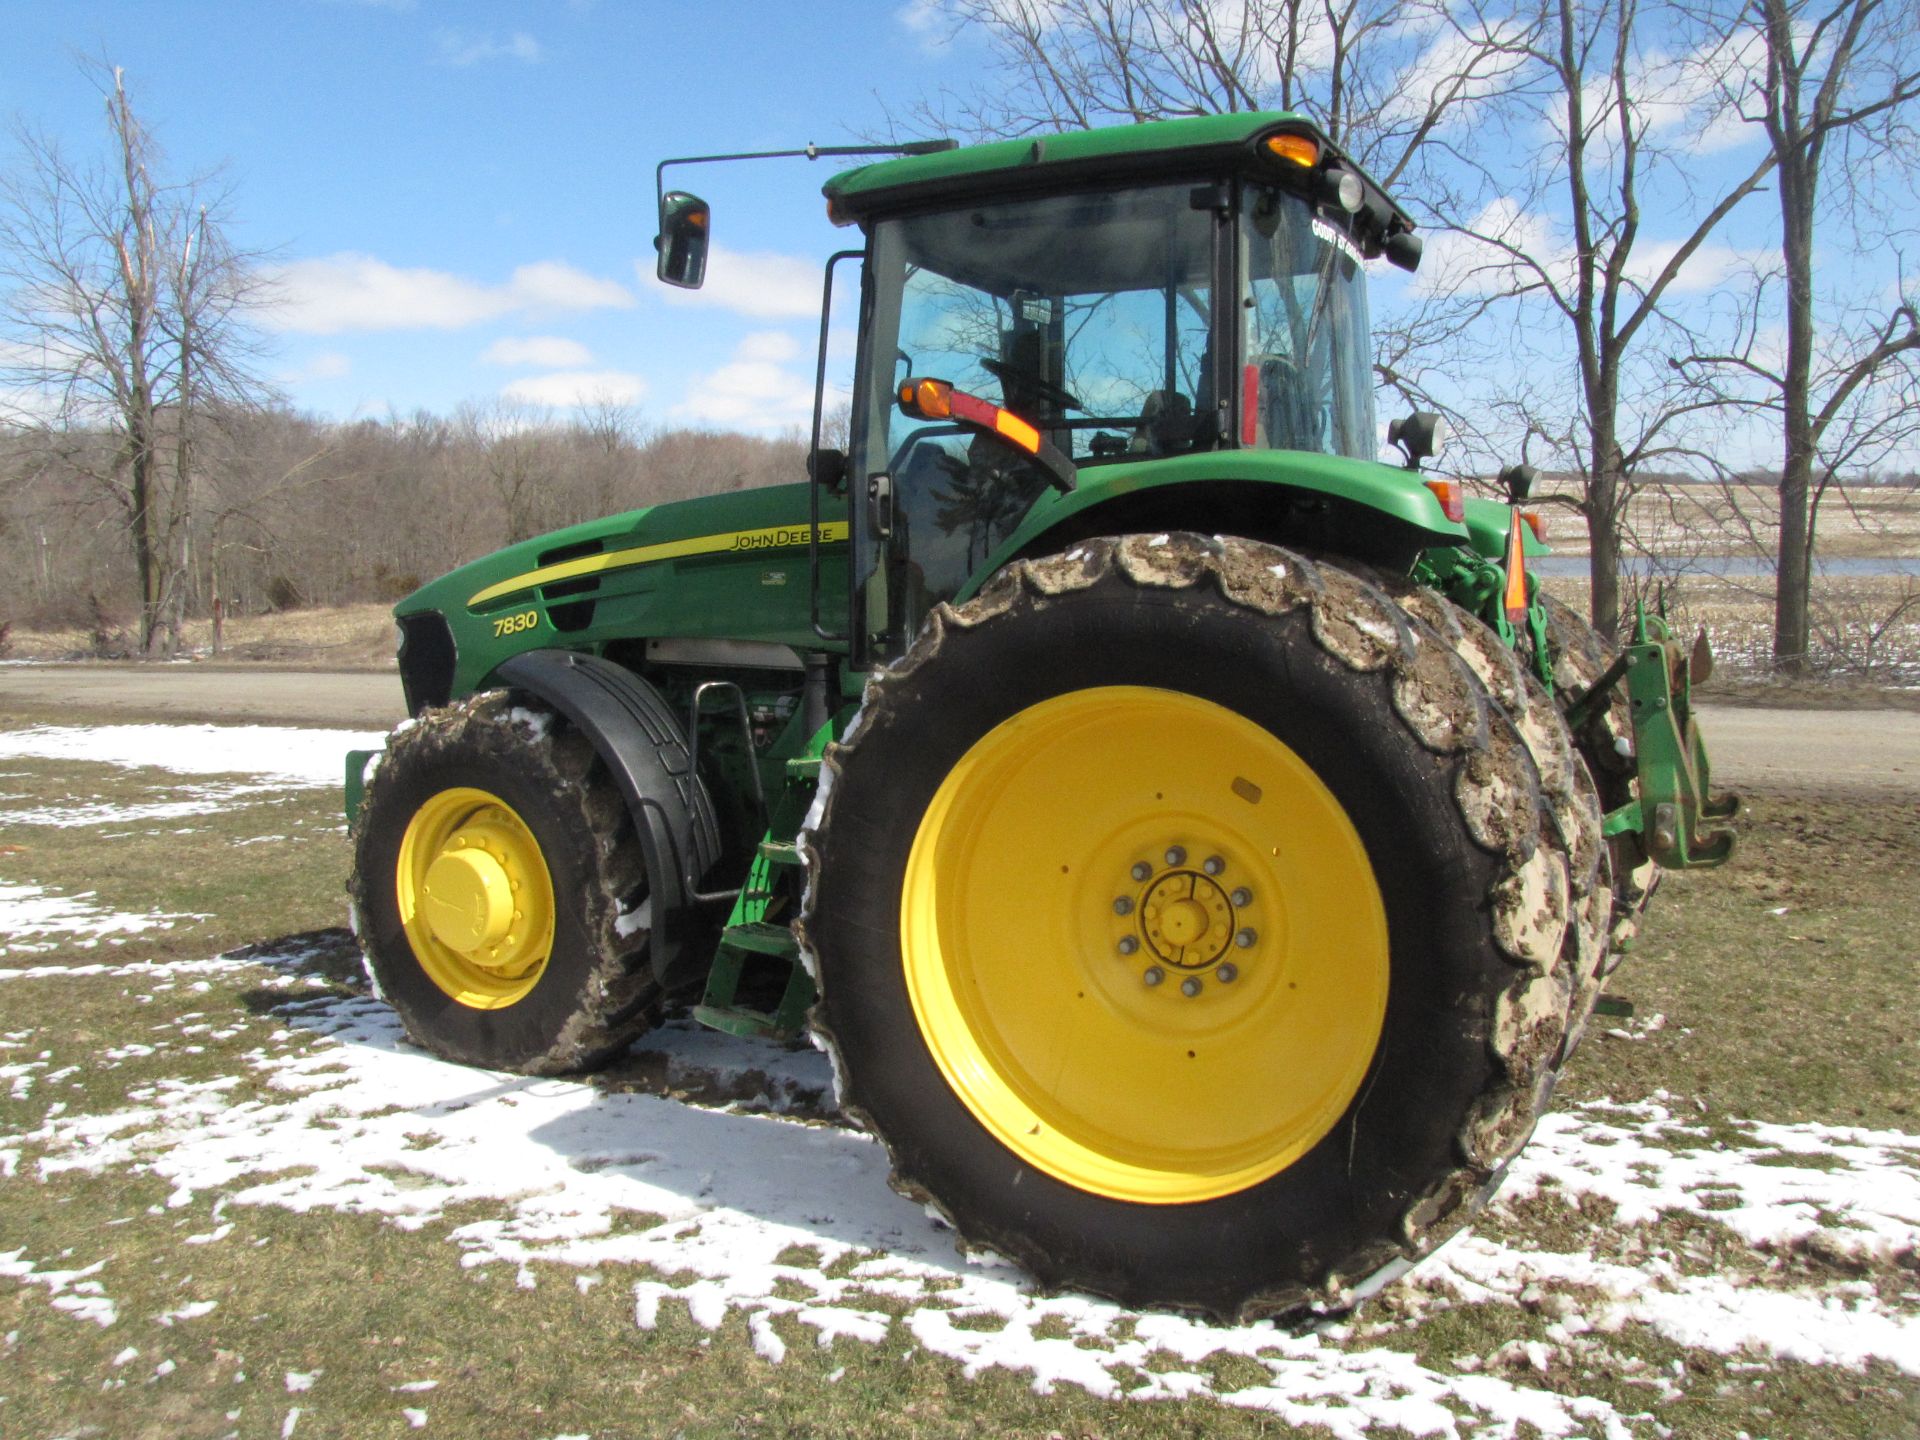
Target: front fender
[(636, 733)]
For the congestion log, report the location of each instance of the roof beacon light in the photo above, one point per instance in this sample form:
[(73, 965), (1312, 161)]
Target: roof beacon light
[(1302, 150)]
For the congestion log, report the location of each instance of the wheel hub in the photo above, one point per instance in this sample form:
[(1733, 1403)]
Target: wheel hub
[(467, 901), (1201, 922), (1184, 917), (476, 898)]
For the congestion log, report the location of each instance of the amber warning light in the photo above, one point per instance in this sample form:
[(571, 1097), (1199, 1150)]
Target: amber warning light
[(1302, 150), (938, 400)]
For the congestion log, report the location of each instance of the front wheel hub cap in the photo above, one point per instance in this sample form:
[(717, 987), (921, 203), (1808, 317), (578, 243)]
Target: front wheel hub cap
[(467, 899), (475, 898)]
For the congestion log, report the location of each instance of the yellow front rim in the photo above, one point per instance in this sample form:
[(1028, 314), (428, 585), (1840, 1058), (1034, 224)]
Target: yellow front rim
[(475, 898), (1144, 945)]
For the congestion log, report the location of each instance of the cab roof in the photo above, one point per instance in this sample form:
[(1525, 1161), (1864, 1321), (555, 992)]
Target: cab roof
[(1199, 143)]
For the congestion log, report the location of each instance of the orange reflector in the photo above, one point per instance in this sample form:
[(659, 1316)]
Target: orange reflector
[(1300, 149), (932, 399), (1515, 600), (1013, 428), (1452, 496), (1250, 405), (1537, 524)]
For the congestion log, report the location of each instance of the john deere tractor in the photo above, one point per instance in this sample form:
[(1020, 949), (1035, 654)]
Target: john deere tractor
[(1198, 843)]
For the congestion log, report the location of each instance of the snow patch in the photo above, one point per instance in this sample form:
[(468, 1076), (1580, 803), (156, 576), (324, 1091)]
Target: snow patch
[(283, 754), (28, 910), (74, 1291)]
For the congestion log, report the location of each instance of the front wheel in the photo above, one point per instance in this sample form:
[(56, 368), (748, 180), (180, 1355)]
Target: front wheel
[(1190, 926), (498, 891)]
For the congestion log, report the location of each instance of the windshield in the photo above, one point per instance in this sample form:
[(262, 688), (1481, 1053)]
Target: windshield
[(1091, 316), (1086, 314), (1308, 377)]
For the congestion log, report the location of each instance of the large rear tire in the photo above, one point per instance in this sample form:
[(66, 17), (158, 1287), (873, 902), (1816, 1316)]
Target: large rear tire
[(1190, 926), (498, 891)]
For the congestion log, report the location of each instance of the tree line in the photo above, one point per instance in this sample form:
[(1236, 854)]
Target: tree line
[(290, 510)]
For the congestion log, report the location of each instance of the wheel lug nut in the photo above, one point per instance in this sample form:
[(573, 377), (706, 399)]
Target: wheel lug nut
[(1154, 975), (1176, 855), (1141, 870), (1245, 939), (1227, 973), (1128, 944), (1190, 986), (1213, 865), (1242, 896), (1123, 906)]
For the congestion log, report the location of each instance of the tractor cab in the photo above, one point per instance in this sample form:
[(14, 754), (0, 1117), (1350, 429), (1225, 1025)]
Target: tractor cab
[(1115, 325), (1098, 302)]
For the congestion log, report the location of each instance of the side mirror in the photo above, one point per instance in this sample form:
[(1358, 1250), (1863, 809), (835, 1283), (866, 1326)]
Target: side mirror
[(682, 241)]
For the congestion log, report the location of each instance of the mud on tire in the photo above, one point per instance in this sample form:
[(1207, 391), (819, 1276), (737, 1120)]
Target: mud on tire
[(1279, 666), (591, 989)]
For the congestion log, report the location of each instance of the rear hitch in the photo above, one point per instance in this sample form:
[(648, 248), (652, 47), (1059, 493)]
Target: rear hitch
[(1677, 818)]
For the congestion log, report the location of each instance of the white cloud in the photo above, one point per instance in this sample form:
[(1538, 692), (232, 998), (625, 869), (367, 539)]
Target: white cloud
[(1469, 264), (325, 365), (927, 22), (458, 48), (776, 346), (566, 388), (753, 390), (344, 292), (546, 352), (1456, 71), (550, 285), (1683, 100), (760, 283)]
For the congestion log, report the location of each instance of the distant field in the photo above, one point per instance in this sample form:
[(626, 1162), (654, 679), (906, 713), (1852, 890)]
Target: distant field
[(1857, 521), (1862, 631)]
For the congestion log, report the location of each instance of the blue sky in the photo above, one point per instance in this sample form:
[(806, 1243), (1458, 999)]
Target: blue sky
[(458, 194), (461, 194)]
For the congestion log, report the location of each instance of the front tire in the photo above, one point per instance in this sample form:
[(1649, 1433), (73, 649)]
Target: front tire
[(1190, 756), (499, 893)]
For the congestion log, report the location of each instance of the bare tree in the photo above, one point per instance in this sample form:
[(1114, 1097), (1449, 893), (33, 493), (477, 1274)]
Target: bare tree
[(1612, 127), (123, 309), (1841, 79)]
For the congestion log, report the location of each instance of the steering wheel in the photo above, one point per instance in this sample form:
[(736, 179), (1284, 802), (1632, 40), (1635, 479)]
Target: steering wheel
[(1037, 385)]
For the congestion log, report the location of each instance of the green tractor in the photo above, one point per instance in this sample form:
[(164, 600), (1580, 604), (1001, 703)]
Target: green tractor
[(1197, 844)]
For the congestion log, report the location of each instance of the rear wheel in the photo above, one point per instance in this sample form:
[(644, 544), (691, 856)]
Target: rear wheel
[(1190, 926), (498, 891)]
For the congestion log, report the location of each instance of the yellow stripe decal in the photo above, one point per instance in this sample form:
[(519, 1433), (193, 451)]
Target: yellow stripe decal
[(773, 537)]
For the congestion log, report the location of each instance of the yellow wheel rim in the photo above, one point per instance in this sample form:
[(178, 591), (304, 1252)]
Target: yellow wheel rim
[(1144, 945), (475, 898)]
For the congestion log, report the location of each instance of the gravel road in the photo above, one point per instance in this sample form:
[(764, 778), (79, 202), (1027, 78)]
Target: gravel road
[(1847, 751)]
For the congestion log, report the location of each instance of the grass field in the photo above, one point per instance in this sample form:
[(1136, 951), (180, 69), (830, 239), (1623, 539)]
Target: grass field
[(233, 1201)]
